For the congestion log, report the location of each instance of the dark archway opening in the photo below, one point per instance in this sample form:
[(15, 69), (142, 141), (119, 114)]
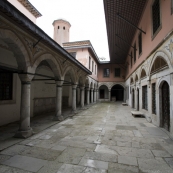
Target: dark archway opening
[(165, 106), (117, 93)]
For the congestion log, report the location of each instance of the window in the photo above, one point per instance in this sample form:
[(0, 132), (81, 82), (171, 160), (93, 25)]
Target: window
[(89, 62), (154, 98), (140, 43), (6, 81), (134, 52), (131, 59), (144, 98), (106, 72), (158, 64), (73, 54), (156, 15), (92, 66), (117, 72), (58, 27), (64, 27)]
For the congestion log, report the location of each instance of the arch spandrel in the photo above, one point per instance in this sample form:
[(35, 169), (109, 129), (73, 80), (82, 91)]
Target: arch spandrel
[(16, 45)]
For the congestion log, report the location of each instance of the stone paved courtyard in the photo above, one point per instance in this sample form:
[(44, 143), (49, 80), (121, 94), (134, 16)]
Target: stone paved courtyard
[(105, 138)]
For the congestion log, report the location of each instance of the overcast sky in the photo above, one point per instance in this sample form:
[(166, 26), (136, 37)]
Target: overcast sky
[(86, 17)]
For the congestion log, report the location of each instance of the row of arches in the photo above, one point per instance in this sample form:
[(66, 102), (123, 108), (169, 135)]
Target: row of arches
[(114, 93), (152, 91), (159, 61)]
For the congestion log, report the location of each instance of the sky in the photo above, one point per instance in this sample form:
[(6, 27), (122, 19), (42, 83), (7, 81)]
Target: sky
[(86, 17)]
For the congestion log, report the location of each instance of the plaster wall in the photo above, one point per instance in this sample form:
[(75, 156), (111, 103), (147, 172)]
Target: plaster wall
[(23, 10), (150, 42), (111, 77)]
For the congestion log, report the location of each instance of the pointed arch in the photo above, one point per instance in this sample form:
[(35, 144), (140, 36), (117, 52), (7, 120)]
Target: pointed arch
[(131, 80), (136, 78), (143, 73)]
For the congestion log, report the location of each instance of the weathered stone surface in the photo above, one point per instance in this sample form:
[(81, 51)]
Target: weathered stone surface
[(127, 160), (67, 168)]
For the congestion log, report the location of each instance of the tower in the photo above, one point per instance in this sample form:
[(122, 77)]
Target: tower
[(61, 31)]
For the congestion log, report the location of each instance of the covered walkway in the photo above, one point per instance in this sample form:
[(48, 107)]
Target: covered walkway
[(104, 138)]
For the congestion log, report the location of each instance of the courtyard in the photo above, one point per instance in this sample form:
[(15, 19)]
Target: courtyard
[(102, 138)]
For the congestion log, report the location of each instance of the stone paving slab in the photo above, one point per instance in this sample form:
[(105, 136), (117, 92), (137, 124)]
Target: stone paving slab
[(25, 163), (102, 139)]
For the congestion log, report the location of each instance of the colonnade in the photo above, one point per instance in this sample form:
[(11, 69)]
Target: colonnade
[(24, 128)]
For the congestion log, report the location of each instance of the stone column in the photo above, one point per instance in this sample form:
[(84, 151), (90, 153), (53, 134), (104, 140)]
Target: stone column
[(91, 95), (97, 94), (24, 128), (149, 97), (74, 98), (58, 115), (88, 96), (82, 97), (109, 95)]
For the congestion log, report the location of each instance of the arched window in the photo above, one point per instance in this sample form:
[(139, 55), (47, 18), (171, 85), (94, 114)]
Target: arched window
[(64, 27), (58, 27), (158, 64), (131, 80), (143, 73), (136, 78)]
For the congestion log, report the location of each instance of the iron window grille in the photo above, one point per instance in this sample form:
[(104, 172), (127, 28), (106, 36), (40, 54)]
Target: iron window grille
[(92, 66), (6, 85), (144, 98), (134, 52), (117, 72), (89, 62), (156, 15), (154, 98), (131, 59), (106, 72), (140, 43)]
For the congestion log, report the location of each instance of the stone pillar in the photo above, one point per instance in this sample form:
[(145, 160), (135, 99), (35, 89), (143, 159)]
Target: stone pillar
[(149, 97), (88, 96), (109, 95), (97, 94), (82, 97), (91, 95), (58, 115), (74, 98), (24, 128)]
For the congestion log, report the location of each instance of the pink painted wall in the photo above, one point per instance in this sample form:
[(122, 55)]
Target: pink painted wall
[(148, 41), (23, 10), (111, 77), (82, 55)]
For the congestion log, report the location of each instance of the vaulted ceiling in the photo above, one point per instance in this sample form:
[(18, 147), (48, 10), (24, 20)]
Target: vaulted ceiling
[(120, 16)]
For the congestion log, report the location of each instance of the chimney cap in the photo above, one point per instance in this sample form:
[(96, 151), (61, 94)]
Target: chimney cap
[(61, 20)]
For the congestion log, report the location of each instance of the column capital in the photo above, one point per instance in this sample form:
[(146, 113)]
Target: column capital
[(59, 83), (82, 88), (26, 78), (74, 86)]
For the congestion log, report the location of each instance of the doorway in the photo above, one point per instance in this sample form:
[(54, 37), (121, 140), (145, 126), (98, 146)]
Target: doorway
[(165, 120)]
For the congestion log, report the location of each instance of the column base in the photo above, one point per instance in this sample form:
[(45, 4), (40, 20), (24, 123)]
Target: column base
[(73, 112), (58, 118), (24, 134)]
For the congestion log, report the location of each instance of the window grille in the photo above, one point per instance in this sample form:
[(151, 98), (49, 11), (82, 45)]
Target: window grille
[(89, 62), (154, 98), (6, 80), (131, 59), (92, 66), (158, 64), (73, 54), (156, 15), (134, 52), (106, 72), (144, 98), (140, 43), (117, 72)]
